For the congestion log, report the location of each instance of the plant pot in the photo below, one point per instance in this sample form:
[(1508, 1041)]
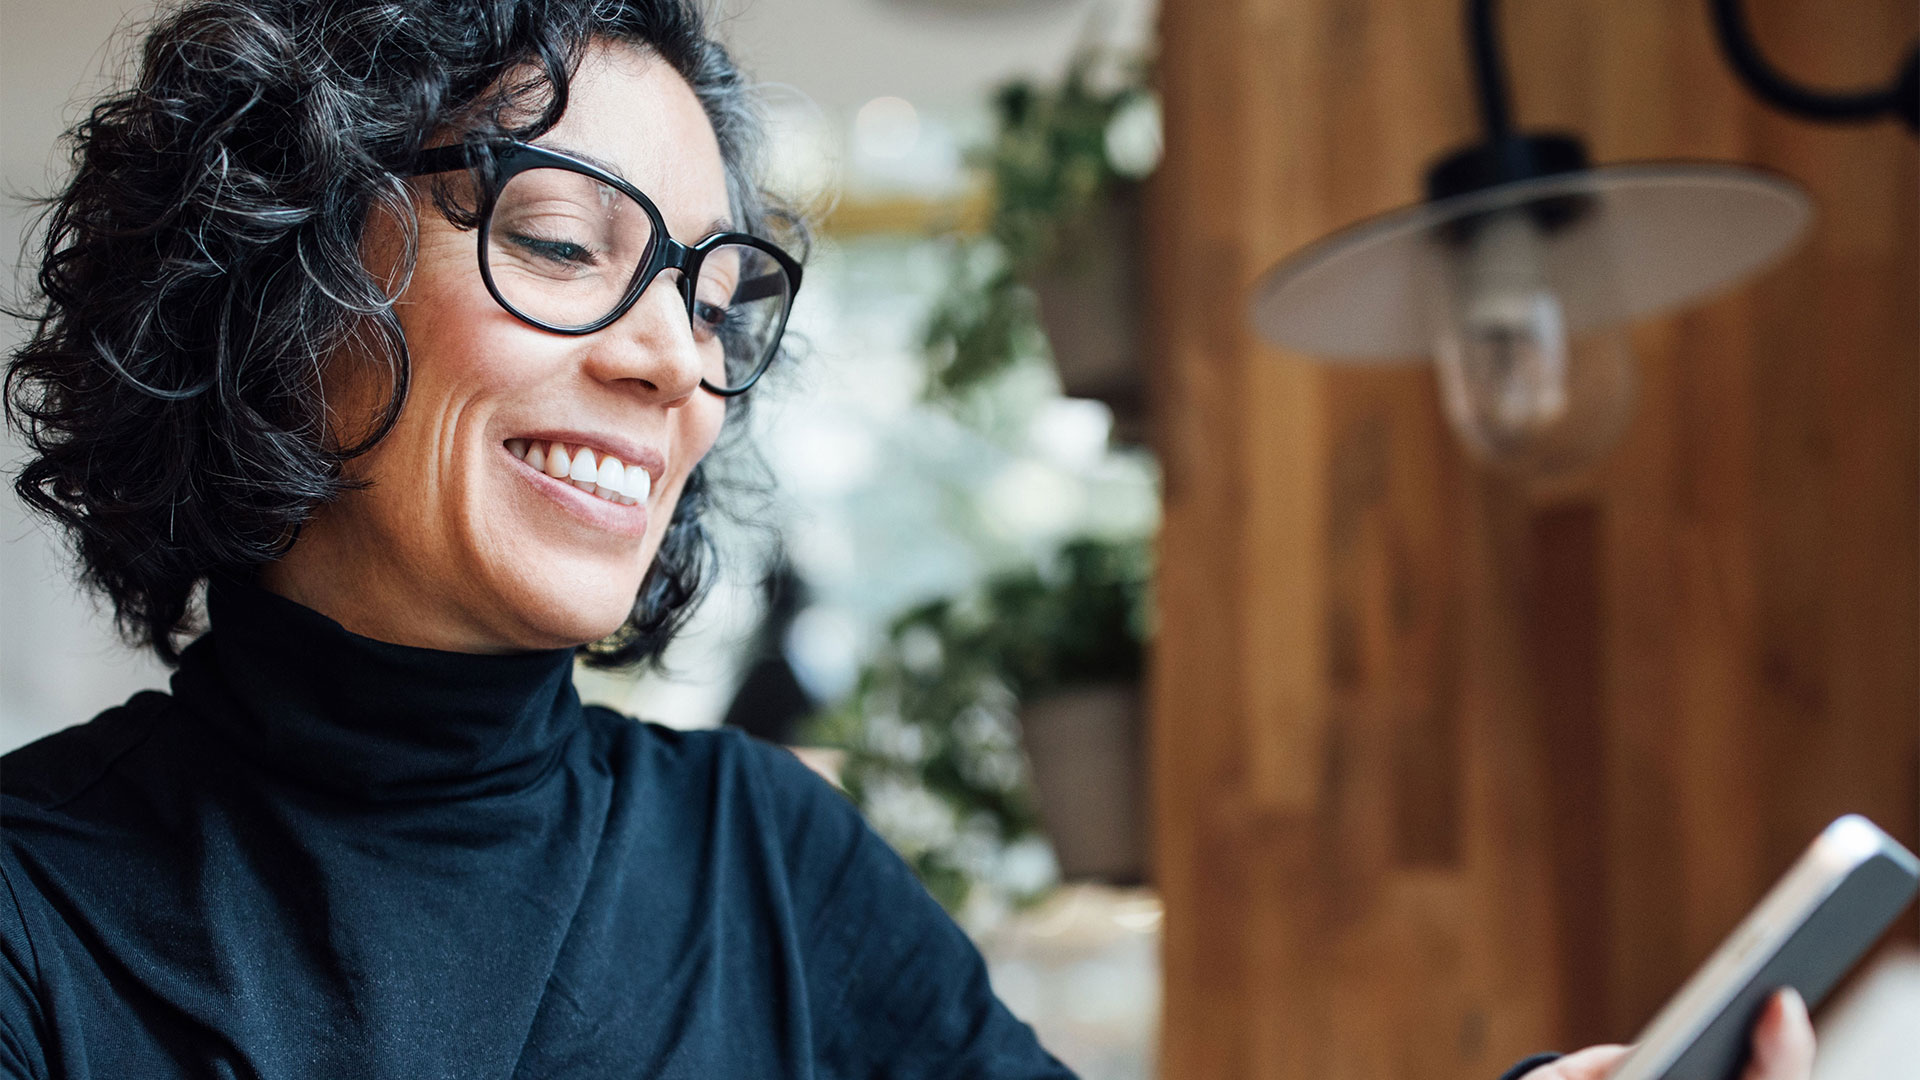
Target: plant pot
[(1090, 308), (1087, 749)]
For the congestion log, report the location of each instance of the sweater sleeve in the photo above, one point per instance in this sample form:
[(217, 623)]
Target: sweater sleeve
[(20, 1023), (897, 990)]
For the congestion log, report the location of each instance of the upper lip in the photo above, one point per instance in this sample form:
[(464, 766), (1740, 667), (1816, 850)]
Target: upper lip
[(629, 452)]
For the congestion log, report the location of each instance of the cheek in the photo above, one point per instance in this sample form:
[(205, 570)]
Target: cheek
[(440, 309), (456, 334), (464, 356), (696, 429), (701, 422), (700, 428), (468, 357)]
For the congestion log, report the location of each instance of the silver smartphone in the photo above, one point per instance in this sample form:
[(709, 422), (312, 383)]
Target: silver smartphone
[(1814, 925)]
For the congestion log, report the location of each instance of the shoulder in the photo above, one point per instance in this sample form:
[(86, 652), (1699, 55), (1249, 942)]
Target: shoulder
[(722, 748), (62, 766), (744, 791), (737, 768), (894, 986), (22, 1019), (790, 785), (62, 796), (43, 787)]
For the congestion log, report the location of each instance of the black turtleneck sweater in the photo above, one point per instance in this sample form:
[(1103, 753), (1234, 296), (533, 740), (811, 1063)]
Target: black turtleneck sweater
[(327, 856)]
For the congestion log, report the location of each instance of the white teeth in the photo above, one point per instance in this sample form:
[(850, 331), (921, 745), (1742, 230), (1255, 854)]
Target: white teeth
[(610, 477), (639, 483), (612, 474), (585, 469), (606, 477)]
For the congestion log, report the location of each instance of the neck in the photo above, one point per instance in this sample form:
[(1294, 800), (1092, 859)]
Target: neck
[(301, 694)]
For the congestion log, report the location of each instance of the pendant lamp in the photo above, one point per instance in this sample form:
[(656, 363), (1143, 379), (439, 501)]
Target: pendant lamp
[(1520, 272)]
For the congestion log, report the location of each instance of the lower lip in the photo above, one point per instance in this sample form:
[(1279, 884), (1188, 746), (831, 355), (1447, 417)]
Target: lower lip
[(592, 509)]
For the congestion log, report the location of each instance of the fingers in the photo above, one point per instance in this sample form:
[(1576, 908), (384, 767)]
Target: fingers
[(1782, 1040), (1593, 1063), (1782, 1048)]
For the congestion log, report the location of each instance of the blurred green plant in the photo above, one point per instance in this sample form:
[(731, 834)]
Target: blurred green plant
[(1057, 154), (931, 732)]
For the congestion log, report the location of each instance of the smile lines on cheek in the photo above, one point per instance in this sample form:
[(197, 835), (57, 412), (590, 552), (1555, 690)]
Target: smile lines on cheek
[(603, 476)]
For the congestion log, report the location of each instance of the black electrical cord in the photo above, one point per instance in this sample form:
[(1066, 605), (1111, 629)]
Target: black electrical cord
[(1489, 70), (1901, 97)]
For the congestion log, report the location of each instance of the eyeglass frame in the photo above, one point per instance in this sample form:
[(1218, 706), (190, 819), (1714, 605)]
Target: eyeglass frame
[(511, 157)]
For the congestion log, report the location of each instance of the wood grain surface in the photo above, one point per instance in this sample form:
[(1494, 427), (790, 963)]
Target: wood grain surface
[(1449, 768)]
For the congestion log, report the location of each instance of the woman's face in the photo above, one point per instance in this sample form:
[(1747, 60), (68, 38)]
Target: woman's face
[(459, 543)]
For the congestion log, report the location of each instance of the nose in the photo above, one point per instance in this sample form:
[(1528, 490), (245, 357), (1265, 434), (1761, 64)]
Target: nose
[(652, 345)]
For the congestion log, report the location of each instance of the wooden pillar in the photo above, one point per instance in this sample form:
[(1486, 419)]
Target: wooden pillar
[(1450, 769)]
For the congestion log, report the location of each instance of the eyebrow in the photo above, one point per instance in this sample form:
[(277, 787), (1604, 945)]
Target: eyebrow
[(717, 225), (597, 163)]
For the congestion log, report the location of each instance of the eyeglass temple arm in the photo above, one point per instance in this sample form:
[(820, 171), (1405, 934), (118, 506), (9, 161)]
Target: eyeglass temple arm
[(760, 288)]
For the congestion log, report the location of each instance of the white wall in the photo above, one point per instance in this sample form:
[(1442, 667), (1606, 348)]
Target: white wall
[(59, 661)]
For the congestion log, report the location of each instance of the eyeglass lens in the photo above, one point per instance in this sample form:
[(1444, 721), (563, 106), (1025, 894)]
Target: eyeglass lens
[(563, 248)]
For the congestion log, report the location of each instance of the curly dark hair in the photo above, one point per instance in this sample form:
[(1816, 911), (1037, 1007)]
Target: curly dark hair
[(203, 263)]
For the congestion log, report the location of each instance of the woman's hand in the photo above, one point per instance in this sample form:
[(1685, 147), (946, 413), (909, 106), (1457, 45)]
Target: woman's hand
[(1782, 1048)]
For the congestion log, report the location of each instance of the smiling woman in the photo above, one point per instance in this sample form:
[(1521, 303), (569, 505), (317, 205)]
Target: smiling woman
[(445, 539), (404, 328)]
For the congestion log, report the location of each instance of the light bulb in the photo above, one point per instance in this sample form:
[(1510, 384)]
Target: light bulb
[(1522, 390)]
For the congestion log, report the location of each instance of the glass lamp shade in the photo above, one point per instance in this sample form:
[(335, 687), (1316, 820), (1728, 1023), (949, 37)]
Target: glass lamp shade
[(1521, 293), (1525, 391)]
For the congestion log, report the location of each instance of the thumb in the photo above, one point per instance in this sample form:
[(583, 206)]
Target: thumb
[(1593, 1063), (1782, 1040)]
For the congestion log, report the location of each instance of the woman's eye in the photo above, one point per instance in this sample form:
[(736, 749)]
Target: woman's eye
[(559, 251), (709, 319)]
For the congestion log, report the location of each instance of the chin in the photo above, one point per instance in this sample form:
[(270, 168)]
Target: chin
[(553, 596), (573, 627), (558, 612)]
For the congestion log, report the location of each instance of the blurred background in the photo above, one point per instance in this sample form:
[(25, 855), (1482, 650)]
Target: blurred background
[(1260, 714)]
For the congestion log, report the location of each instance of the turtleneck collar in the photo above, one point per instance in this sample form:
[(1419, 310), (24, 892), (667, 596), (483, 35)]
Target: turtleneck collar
[(301, 695)]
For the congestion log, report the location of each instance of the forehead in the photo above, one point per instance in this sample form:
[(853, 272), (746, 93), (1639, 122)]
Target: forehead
[(631, 110)]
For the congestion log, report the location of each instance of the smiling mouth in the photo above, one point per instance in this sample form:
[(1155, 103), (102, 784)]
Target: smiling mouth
[(601, 475)]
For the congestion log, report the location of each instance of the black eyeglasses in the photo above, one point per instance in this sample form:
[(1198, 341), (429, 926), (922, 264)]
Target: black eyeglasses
[(568, 247)]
